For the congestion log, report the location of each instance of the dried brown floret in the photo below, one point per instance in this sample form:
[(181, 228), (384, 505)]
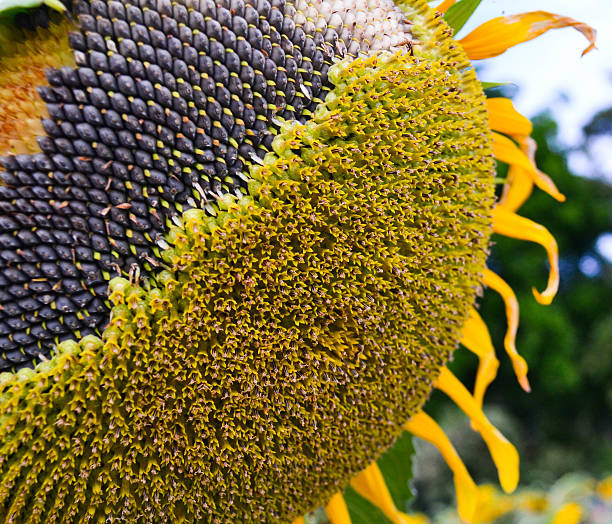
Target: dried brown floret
[(24, 57)]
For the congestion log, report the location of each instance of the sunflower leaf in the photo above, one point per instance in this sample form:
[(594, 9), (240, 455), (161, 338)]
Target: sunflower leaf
[(361, 510), (459, 13), (491, 85), (396, 467)]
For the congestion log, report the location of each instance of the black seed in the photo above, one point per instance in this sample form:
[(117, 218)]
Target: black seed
[(126, 85), (107, 82), (116, 10), (133, 14), (65, 305), (71, 321), (120, 103), (121, 29), (98, 8), (94, 42), (117, 64), (151, 18), (92, 115), (145, 89)]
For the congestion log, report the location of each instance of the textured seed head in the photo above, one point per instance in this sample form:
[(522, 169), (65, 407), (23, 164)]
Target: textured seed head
[(167, 107), (260, 259)]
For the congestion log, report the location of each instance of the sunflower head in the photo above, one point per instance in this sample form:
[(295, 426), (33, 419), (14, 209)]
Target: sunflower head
[(247, 247)]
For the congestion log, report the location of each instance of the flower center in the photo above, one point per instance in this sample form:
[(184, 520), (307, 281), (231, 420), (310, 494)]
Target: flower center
[(298, 305), (167, 107)]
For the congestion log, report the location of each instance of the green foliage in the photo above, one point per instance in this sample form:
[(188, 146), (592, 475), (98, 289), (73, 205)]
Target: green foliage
[(396, 467), (459, 13), (361, 510)]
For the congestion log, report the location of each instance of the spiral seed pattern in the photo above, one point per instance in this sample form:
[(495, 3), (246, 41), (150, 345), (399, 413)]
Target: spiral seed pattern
[(168, 105)]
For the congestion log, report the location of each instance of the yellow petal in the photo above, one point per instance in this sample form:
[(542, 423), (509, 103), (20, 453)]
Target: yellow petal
[(517, 189), (503, 117), (519, 183), (475, 336), (299, 520), (499, 34), (416, 518), (515, 226), (504, 454), (508, 152), (570, 513), (512, 315), (492, 504), (370, 484), (443, 7), (336, 510), (423, 426)]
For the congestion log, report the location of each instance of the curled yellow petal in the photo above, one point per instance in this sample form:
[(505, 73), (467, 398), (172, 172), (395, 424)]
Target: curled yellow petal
[(504, 454), (519, 183), (423, 426), (517, 189), (336, 510), (475, 336), (370, 484), (508, 152), (515, 226), (570, 513), (503, 117), (443, 7), (499, 34), (495, 282)]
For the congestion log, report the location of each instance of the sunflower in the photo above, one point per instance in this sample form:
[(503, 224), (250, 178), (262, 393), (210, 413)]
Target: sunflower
[(240, 248)]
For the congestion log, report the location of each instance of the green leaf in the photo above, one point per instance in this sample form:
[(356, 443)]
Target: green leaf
[(491, 85), (361, 510), (396, 467), (458, 14)]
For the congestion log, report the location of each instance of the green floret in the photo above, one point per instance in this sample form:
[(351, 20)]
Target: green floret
[(290, 335)]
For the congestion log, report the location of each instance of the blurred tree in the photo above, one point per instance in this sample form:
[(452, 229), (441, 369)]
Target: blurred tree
[(600, 124)]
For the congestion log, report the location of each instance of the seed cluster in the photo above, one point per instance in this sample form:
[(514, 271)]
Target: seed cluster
[(294, 330), (168, 104)]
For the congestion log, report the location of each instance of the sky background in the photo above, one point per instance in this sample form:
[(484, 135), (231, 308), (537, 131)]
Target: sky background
[(551, 73)]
